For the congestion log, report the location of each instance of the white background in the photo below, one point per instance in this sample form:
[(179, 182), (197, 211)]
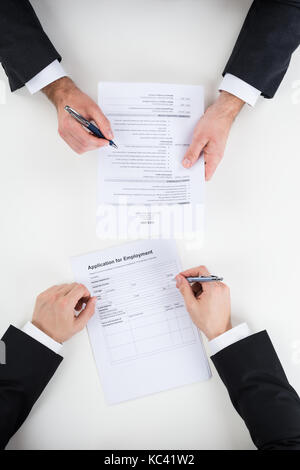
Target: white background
[(48, 206)]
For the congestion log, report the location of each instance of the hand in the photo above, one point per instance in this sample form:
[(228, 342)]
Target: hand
[(207, 303), (54, 311), (211, 133), (64, 92)]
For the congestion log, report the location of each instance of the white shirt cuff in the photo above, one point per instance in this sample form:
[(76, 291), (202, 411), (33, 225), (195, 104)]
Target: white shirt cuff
[(41, 337), (239, 88), (229, 337), (49, 74)]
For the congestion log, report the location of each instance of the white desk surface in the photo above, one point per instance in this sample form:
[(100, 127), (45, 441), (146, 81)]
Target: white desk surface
[(48, 205)]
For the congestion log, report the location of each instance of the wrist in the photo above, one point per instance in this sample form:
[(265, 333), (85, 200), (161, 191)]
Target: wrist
[(215, 332), (46, 331), (58, 90), (31, 330), (229, 105)]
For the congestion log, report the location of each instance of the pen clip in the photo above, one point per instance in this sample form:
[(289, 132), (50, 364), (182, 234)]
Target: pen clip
[(77, 116)]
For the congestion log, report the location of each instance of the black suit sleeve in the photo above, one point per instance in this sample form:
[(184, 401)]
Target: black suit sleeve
[(260, 392), (28, 369), (25, 49), (269, 36)]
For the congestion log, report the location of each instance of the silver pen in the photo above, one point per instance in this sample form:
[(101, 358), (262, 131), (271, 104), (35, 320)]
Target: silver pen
[(88, 125), (200, 279)]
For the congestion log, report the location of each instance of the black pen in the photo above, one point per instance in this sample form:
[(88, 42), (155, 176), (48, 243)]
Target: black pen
[(88, 125)]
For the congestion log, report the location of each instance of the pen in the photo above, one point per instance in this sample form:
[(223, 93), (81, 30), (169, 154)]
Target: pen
[(204, 279), (88, 125)]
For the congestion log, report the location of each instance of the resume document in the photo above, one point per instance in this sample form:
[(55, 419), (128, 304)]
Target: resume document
[(153, 126)]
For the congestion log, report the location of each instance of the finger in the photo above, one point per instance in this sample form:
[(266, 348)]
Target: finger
[(88, 139), (78, 138), (193, 152), (196, 272), (84, 147), (49, 292), (185, 290), (211, 165), (64, 289), (79, 291), (96, 142), (86, 314), (102, 122), (212, 160), (85, 139), (90, 143), (73, 143)]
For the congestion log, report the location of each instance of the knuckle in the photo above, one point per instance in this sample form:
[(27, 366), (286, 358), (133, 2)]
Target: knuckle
[(85, 143), (53, 298), (213, 152), (103, 118), (79, 288), (40, 297), (65, 125), (207, 152), (86, 137), (193, 155), (200, 141), (106, 122), (61, 132), (82, 149), (62, 302), (94, 107)]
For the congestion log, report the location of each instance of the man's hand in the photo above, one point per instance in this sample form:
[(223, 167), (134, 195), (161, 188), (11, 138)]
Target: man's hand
[(211, 133), (64, 92), (207, 303), (54, 312)]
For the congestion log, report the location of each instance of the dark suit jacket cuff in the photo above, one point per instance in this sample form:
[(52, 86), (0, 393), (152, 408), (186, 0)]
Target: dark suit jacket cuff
[(25, 69), (28, 361)]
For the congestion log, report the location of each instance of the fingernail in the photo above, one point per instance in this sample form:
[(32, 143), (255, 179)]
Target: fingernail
[(110, 135), (187, 163), (178, 281)]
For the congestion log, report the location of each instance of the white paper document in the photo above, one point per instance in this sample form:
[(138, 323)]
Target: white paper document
[(153, 126), (141, 334)]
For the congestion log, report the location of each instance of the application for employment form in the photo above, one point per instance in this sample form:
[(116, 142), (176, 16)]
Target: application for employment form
[(141, 334), (153, 126)]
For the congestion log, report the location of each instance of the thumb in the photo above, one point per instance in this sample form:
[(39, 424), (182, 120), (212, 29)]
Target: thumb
[(193, 152), (185, 290), (86, 314)]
